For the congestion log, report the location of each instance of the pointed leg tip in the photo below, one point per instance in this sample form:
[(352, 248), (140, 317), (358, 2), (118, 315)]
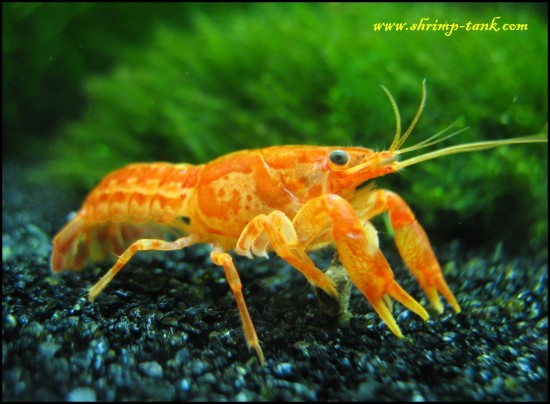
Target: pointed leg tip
[(437, 306), (408, 301), (260, 354), (424, 316), (92, 294), (380, 307), (454, 304), (446, 292), (419, 310), (394, 328)]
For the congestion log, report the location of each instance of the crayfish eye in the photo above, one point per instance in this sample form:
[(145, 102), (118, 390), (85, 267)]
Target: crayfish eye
[(338, 157)]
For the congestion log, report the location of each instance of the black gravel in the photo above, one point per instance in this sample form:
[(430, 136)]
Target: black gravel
[(167, 328)]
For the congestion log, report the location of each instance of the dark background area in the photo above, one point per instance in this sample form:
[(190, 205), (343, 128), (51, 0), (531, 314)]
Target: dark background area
[(88, 88)]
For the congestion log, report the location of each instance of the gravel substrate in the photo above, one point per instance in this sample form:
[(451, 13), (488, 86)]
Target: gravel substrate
[(167, 328)]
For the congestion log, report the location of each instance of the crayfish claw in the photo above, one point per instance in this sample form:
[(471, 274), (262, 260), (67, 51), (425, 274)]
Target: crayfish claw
[(438, 284)]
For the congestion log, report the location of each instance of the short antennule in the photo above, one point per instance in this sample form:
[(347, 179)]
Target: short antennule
[(398, 139)]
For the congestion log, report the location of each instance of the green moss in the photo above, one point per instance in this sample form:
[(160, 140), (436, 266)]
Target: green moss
[(301, 73)]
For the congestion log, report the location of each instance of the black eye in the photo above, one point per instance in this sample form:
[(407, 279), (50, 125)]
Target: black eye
[(338, 157)]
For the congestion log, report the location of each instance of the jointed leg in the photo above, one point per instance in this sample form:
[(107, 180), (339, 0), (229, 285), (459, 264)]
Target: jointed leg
[(225, 260), (139, 245), (357, 247), (277, 229)]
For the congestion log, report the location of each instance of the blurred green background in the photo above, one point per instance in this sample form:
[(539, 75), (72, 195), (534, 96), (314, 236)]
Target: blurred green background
[(90, 87)]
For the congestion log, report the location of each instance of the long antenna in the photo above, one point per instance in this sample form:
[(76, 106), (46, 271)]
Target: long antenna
[(469, 147)]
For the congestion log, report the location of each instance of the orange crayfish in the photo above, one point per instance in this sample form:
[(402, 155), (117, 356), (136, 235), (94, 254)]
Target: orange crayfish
[(286, 199)]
